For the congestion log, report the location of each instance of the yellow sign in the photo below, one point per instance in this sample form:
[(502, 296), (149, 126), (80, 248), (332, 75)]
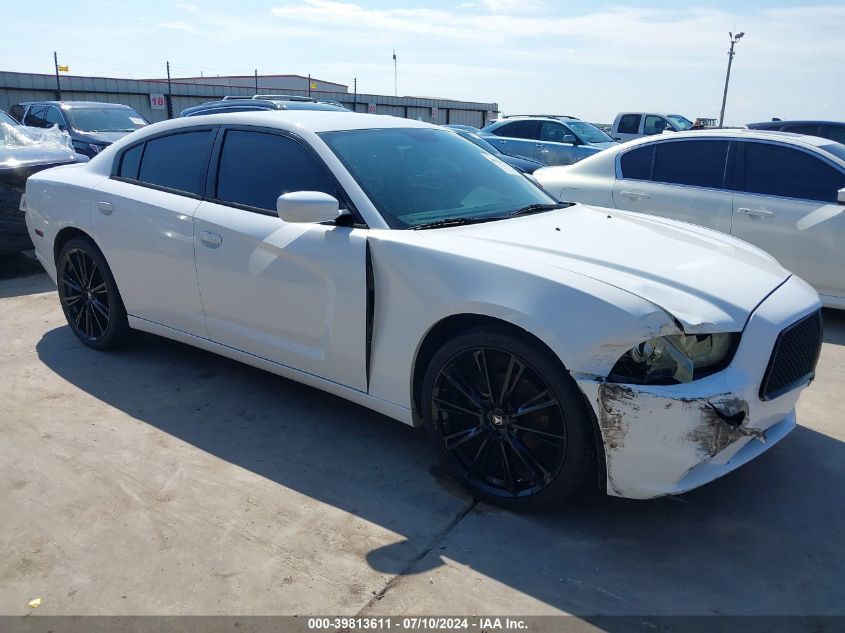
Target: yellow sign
[(313, 85), (64, 69)]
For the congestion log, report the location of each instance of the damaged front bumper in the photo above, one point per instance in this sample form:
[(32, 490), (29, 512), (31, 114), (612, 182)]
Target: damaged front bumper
[(668, 439)]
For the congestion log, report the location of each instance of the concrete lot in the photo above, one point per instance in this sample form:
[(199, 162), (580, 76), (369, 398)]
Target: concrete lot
[(161, 479)]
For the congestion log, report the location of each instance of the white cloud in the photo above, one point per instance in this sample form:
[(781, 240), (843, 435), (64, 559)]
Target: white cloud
[(186, 7), (178, 26)]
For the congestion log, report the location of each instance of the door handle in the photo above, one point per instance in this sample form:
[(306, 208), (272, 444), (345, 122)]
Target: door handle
[(636, 195), (212, 240), (106, 208), (757, 213)]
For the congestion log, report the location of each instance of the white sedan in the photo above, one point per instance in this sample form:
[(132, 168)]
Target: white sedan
[(782, 192), (395, 264)]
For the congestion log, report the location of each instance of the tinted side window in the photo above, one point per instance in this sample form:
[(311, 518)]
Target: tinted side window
[(256, 168), (176, 161), (17, 111), (54, 117), (130, 162), (655, 125), (699, 163), (636, 164), (553, 132), (526, 129), (505, 130), (776, 170), (37, 116), (629, 124)]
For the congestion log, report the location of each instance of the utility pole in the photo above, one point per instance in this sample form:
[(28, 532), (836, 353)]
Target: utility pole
[(734, 40), (58, 81), (355, 96), (256, 81), (309, 84), (169, 93), (395, 76)]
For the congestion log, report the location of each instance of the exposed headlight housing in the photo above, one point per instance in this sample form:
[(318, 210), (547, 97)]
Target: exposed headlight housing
[(668, 360)]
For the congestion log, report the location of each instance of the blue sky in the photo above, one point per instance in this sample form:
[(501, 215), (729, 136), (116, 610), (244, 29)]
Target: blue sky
[(590, 59)]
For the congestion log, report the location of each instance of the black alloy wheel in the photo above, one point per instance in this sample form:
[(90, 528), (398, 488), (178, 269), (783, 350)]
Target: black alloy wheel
[(506, 419), (89, 296)]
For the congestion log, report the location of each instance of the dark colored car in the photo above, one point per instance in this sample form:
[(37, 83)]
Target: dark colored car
[(91, 126), (834, 130), (22, 154), (525, 165), (248, 105)]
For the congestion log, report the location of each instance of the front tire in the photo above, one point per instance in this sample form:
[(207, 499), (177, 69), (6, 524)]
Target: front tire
[(507, 420), (89, 296)]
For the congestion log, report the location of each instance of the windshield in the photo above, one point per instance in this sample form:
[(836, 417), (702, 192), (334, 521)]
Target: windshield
[(104, 119), (480, 142), (588, 133), (5, 118), (681, 123), (416, 176)]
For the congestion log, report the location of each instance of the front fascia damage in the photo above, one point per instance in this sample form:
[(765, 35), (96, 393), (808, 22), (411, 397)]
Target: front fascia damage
[(667, 439)]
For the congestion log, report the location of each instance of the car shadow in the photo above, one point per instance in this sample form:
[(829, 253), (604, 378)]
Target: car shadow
[(22, 274), (766, 539)]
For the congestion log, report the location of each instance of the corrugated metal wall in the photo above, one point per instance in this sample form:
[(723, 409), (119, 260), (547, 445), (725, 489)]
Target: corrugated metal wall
[(20, 87)]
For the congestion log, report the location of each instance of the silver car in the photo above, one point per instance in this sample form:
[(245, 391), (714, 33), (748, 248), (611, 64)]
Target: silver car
[(551, 140)]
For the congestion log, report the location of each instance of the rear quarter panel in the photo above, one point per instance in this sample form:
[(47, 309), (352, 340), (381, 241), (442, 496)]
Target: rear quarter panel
[(56, 199)]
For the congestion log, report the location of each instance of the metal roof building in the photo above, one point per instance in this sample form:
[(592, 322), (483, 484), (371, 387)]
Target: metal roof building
[(151, 98)]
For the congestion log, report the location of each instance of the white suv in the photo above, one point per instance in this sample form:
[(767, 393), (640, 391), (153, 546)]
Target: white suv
[(631, 125)]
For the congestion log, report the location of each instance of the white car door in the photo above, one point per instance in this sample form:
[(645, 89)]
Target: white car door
[(295, 294), (679, 179), (143, 217), (787, 205)]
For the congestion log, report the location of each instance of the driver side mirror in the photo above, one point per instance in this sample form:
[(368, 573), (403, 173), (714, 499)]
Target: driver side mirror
[(569, 138), (841, 196), (308, 207)]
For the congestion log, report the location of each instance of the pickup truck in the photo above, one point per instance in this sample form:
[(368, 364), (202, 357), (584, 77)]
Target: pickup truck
[(551, 140), (631, 125)]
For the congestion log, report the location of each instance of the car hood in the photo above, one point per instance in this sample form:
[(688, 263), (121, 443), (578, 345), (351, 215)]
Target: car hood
[(100, 138), (707, 281), (527, 165), (18, 157)]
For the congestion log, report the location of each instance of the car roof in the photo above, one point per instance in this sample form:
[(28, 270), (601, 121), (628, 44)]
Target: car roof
[(797, 122), (315, 121), (77, 104), (737, 133)]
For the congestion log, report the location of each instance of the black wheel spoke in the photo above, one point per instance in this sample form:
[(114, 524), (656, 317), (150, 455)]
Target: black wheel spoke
[(527, 457), (101, 308), (549, 438), (468, 392), (445, 404), (73, 285), (510, 480), (453, 441), (479, 458), (481, 364), (511, 379)]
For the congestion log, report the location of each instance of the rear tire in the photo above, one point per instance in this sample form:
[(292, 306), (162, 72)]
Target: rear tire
[(89, 296), (507, 420)]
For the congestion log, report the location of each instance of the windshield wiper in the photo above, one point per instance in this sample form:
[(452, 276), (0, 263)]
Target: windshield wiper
[(437, 224), (539, 208)]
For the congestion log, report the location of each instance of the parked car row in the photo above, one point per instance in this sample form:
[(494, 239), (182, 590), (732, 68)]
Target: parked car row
[(784, 193)]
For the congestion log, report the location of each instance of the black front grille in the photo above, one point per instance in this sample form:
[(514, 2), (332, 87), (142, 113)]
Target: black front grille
[(794, 357)]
